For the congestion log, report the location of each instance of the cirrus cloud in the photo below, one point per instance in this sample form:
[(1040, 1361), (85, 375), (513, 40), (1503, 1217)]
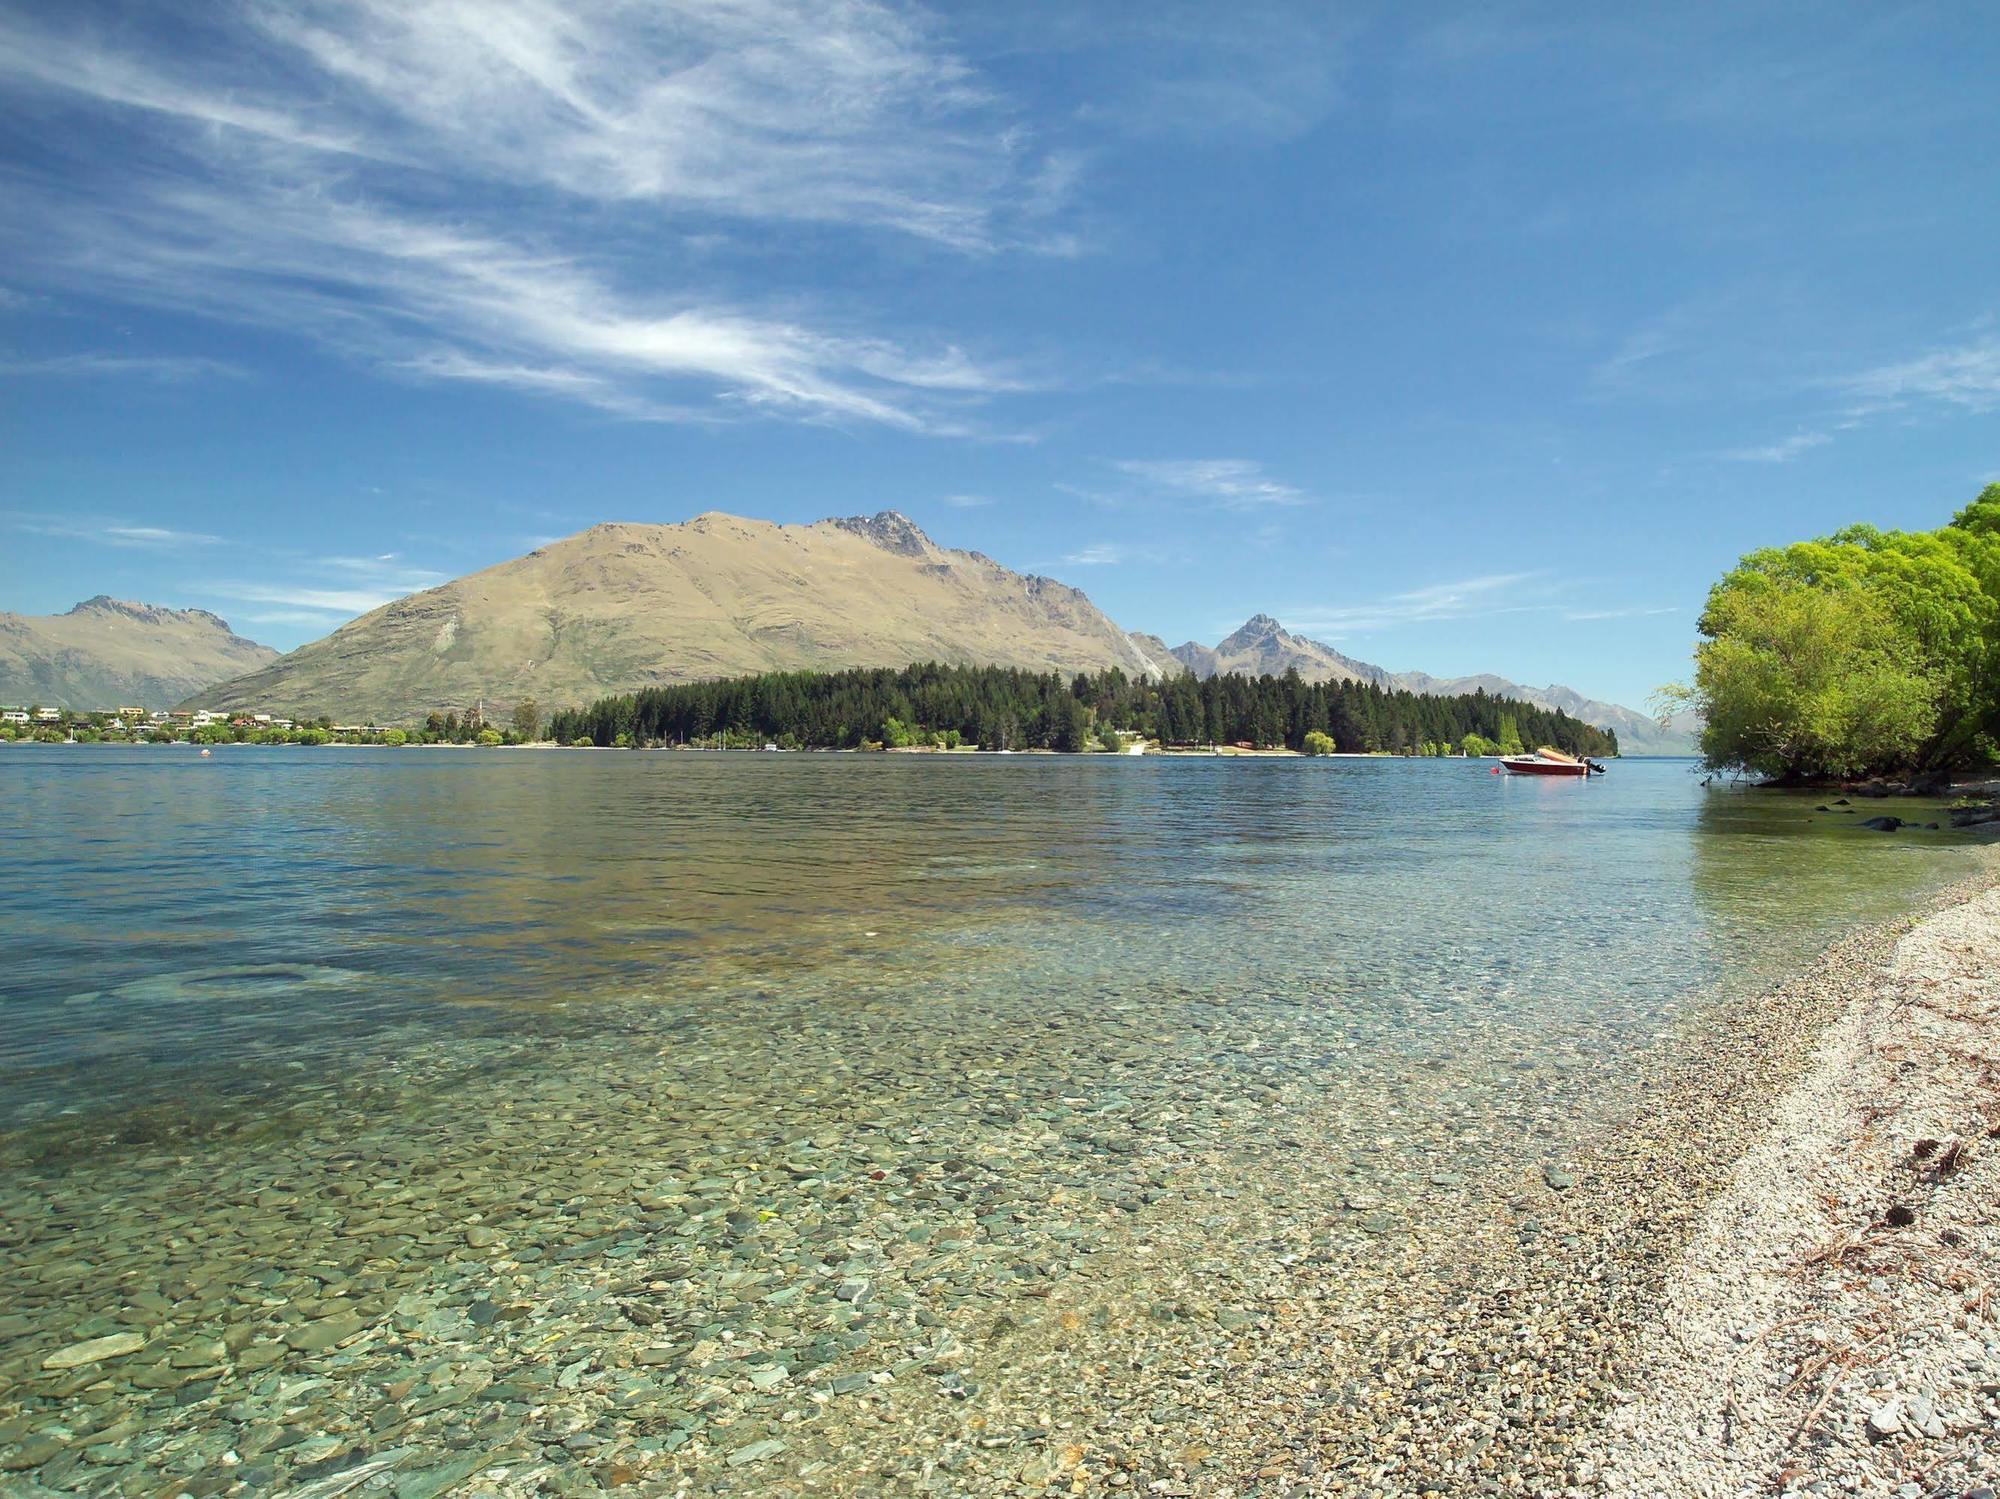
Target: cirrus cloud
[(495, 192)]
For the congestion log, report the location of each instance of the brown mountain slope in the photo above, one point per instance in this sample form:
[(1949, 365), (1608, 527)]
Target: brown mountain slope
[(106, 653), (620, 607), (1164, 661)]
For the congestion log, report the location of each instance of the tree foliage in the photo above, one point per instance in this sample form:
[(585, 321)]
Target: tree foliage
[(1803, 682), (1856, 653), (997, 708)]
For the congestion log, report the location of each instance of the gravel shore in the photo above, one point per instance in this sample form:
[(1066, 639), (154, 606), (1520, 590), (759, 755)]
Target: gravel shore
[(1830, 1329)]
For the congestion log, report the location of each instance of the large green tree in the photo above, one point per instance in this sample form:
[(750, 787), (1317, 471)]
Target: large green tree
[(1862, 651), (1799, 681)]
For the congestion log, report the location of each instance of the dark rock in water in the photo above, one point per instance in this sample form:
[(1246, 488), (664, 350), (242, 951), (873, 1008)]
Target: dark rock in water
[(1966, 817), (1930, 783), (1840, 801), (1883, 824), (1930, 827), (1822, 807), (31, 1453)]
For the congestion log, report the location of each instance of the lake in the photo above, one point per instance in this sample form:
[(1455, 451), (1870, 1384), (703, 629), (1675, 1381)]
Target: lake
[(798, 1122)]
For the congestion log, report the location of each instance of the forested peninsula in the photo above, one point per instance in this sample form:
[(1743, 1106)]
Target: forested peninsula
[(1859, 654), (997, 708)]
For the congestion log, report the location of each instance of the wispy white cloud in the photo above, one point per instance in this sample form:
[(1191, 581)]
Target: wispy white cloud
[(492, 192), (389, 570), (317, 618), (1228, 483), (1100, 554), (1191, 68), (1965, 375), (1632, 613), (1460, 598), (967, 501), (165, 367), (337, 586), (1784, 450), (109, 533), (155, 536), (342, 601), (1481, 597), (1662, 338)]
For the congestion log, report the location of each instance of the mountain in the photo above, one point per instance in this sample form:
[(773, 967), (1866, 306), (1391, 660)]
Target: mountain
[(1163, 661), (106, 653), (1638, 733), (1264, 647), (621, 607)]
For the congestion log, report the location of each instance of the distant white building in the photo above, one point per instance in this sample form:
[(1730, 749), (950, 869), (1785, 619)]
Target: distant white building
[(14, 715)]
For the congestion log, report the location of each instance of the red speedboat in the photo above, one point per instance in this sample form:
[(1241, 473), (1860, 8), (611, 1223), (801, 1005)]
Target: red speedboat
[(1547, 762)]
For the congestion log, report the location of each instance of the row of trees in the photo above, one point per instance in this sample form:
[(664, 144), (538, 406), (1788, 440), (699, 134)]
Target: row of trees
[(523, 727), (998, 708), (1860, 653)]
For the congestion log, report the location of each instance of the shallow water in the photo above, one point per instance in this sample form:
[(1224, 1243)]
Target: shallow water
[(855, 1104)]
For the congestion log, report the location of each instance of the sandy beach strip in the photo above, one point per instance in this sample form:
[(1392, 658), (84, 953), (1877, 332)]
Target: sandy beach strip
[(1830, 1326)]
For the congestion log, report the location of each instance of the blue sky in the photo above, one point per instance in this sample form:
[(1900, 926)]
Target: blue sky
[(1463, 339)]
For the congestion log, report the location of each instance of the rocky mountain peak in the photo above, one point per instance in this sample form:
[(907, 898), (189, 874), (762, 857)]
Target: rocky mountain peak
[(890, 530), (1255, 630), (104, 603)]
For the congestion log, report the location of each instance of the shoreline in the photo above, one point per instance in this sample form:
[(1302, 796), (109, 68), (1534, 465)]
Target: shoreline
[(1536, 1319), (1828, 1324)]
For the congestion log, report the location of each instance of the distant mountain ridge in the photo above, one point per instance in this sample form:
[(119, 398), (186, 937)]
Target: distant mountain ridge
[(1264, 647), (109, 653), (621, 607), (1638, 733)]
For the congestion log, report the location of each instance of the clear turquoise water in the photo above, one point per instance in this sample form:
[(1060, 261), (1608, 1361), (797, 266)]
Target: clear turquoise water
[(785, 1124), (170, 921)]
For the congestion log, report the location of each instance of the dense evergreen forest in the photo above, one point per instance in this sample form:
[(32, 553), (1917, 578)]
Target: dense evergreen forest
[(996, 708)]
